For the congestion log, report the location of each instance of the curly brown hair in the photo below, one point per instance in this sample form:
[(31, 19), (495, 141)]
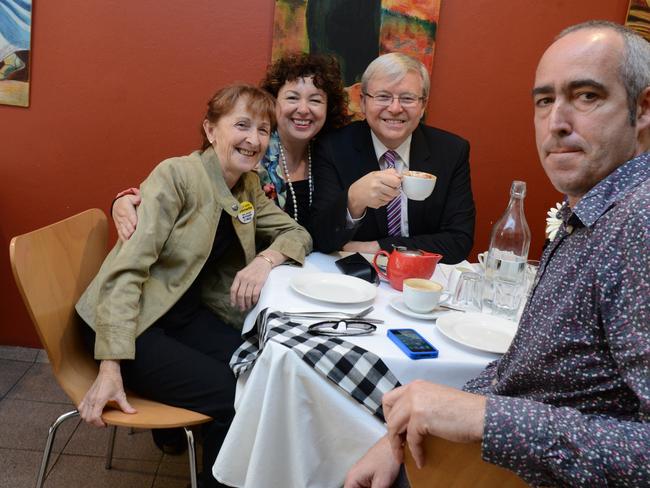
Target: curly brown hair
[(326, 72)]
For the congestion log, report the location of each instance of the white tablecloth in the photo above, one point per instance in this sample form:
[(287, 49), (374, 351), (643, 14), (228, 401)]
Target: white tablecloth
[(295, 428)]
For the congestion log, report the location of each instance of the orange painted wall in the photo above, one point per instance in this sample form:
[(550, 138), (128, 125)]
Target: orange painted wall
[(119, 86)]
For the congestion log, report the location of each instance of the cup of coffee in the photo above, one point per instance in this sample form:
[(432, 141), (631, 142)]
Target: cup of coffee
[(421, 295), (417, 185)]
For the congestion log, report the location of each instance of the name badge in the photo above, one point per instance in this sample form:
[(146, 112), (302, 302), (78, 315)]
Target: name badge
[(246, 212)]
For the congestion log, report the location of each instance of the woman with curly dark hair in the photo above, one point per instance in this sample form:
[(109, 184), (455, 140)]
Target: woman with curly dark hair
[(310, 99)]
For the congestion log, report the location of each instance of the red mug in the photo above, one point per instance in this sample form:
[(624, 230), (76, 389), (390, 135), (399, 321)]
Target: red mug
[(406, 263)]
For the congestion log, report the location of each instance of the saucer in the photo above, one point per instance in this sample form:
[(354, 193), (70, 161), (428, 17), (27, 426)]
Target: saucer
[(398, 304)]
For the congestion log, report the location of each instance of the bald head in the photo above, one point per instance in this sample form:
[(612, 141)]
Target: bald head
[(584, 55)]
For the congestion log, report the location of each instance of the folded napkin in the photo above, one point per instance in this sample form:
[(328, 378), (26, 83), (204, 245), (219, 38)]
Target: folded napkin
[(360, 373)]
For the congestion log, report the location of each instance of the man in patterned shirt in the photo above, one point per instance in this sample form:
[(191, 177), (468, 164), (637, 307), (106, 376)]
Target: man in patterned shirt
[(569, 403)]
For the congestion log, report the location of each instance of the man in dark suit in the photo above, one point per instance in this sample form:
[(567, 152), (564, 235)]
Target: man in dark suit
[(358, 204)]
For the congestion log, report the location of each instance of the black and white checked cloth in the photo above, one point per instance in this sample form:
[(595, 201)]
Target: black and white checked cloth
[(360, 373)]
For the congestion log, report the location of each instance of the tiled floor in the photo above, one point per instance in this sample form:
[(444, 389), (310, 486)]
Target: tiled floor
[(30, 400)]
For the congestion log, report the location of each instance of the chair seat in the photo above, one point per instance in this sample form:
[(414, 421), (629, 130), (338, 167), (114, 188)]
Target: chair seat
[(152, 415), (52, 267), (456, 465)]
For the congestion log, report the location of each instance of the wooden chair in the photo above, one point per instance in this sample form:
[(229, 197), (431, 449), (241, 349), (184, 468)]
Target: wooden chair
[(52, 267), (455, 465)]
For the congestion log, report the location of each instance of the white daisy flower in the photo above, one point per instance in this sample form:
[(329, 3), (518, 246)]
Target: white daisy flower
[(553, 222)]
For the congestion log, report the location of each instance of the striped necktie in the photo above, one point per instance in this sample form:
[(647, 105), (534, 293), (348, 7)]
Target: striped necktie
[(394, 208)]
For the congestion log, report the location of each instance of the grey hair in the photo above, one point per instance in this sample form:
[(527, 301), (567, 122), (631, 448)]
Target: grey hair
[(395, 66), (635, 66)]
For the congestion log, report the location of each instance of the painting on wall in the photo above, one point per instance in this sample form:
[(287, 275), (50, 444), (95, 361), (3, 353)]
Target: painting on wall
[(638, 17), (356, 32), (15, 36)]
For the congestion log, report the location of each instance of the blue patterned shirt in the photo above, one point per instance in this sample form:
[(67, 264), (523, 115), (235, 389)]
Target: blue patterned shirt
[(270, 173), (569, 403)]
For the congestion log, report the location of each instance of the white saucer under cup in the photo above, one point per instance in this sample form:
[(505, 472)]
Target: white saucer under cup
[(398, 305)]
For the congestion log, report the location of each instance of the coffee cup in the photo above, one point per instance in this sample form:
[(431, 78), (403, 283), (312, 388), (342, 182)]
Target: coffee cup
[(421, 295), (417, 185)]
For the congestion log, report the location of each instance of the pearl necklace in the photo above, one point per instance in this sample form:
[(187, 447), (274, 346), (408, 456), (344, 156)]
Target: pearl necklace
[(290, 185)]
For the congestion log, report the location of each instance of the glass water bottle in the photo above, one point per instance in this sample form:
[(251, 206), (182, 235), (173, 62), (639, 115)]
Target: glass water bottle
[(505, 267)]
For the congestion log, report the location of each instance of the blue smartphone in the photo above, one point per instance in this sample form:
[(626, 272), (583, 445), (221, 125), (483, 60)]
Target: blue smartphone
[(412, 344)]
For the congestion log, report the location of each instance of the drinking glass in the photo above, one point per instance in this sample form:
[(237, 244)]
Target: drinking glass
[(532, 266), (507, 297), (469, 292)]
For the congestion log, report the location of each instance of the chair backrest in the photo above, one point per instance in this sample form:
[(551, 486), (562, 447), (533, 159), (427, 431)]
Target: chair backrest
[(52, 267), (452, 464)]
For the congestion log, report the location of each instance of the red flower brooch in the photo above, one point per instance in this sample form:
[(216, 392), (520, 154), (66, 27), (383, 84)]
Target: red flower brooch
[(269, 190)]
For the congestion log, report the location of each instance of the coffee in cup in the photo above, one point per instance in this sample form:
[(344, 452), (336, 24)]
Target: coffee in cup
[(419, 174), (421, 295), (417, 185)]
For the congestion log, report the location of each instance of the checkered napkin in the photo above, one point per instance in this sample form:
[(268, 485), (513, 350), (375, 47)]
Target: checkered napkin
[(360, 373)]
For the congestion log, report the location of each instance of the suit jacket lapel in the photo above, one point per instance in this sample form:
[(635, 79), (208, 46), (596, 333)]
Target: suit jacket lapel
[(419, 156), (363, 145), (369, 162), (419, 161)]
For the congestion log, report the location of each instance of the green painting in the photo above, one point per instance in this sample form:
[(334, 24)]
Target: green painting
[(356, 32)]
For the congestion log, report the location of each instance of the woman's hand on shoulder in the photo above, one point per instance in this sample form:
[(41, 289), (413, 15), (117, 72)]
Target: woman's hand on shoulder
[(106, 388), (125, 216), (249, 281)]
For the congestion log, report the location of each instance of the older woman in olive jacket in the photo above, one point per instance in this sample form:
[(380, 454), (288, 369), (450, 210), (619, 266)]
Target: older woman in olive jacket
[(166, 305)]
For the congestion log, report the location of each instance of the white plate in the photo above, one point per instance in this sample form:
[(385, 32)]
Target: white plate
[(480, 331), (334, 288), (398, 304)]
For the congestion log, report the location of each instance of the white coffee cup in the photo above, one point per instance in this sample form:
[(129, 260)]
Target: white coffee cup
[(421, 295), (417, 185)]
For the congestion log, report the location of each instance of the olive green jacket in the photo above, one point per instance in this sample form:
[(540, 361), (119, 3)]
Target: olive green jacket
[(182, 201)]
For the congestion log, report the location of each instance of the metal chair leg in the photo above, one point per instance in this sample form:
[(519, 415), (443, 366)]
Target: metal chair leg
[(192, 454), (48, 445), (111, 445)]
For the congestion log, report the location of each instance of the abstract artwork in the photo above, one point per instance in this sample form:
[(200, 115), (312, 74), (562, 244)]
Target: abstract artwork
[(356, 32), (638, 17), (15, 35)]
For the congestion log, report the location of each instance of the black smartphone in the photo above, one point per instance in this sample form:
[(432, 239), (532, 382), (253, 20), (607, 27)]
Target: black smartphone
[(412, 344), (356, 265)]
